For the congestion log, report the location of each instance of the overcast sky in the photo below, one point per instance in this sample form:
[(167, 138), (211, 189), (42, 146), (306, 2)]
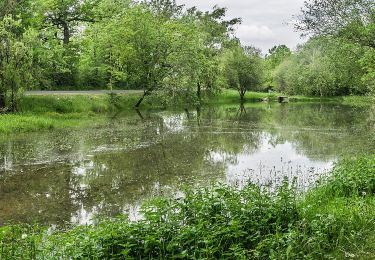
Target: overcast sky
[(265, 22)]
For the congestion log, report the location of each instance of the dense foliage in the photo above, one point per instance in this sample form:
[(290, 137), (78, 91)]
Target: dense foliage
[(339, 57), (176, 53), (15, 61), (225, 222), (150, 45)]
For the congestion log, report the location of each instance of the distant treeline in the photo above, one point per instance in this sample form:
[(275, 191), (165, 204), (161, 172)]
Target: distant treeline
[(339, 57)]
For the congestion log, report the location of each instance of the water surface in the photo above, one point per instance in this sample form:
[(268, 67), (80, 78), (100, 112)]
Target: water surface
[(73, 176)]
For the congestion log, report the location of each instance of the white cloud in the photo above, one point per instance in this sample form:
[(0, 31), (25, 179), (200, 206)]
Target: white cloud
[(251, 33), (265, 22)]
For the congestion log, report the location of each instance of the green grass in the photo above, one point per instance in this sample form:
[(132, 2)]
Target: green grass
[(53, 112), (335, 220), (28, 122), (65, 104), (84, 104), (357, 101), (105, 103), (232, 96), (49, 112)]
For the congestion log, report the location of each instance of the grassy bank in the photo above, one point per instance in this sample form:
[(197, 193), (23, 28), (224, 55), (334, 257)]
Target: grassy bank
[(334, 220), (53, 112), (50, 112), (232, 96), (28, 122), (77, 103), (106, 103)]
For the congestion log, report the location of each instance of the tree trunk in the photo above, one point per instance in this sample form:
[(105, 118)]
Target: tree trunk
[(242, 109), (12, 107), (199, 116), (2, 101), (199, 90), (187, 114), (96, 63), (140, 101), (140, 114), (66, 33), (146, 93), (242, 95)]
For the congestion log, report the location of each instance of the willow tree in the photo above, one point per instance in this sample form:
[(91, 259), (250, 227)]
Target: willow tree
[(15, 63)]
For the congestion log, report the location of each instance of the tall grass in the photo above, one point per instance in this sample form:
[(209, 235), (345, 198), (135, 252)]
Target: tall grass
[(50, 112), (85, 104), (27, 122), (65, 104), (336, 219)]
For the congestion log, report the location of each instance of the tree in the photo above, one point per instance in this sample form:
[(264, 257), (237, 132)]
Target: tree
[(21, 10), (165, 8), (216, 33), (157, 46), (93, 66), (139, 49), (15, 62), (273, 59), (327, 17), (66, 15), (323, 67), (278, 54), (309, 72), (243, 69), (368, 64), (352, 22), (105, 10)]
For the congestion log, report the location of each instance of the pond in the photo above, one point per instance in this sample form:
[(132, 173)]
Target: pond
[(75, 176)]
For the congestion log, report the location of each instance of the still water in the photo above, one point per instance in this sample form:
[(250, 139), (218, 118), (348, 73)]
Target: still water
[(74, 176)]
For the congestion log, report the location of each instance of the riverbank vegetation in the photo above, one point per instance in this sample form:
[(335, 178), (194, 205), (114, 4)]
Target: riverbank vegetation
[(117, 44), (334, 219), (106, 103), (54, 112)]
